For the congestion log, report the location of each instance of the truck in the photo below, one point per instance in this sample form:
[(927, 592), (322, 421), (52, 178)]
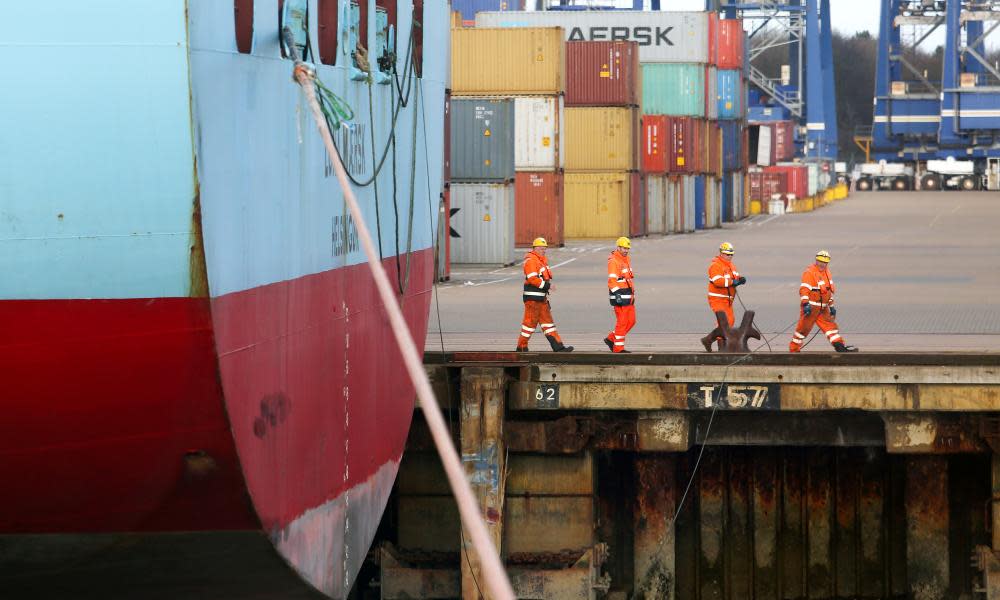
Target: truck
[(933, 175)]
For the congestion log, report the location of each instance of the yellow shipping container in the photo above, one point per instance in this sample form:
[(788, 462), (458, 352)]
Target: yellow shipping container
[(596, 205), (600, 139), (507, 61)]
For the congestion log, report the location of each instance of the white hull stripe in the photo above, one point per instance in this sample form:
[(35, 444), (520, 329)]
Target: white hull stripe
[(326, 545)]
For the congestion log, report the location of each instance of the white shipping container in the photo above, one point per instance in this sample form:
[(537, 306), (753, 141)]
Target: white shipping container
[(656, 204), (813, 183), (677, 37), (483, 219), (538, 123), (711, 93), (764, 145)]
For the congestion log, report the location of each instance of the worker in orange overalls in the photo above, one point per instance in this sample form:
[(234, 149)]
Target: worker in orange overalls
[(621, 294), (723, 279), (816, 306), (537, 311)]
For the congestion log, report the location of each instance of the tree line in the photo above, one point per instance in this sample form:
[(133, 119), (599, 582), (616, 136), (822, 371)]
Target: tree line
[(854, 58)]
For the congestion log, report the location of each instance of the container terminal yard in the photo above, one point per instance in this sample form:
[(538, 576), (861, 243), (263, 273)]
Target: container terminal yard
[(486, 300)]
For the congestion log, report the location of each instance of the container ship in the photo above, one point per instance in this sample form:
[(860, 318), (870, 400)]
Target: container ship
[(192, 343)]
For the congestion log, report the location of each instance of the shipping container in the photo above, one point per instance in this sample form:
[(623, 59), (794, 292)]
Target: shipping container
[(442, 243), (813, 178), (469, 8), (600, 139), (637, 205), (538, 208), (446, 164), (521, 61), (673, 89), (796, 178), (663, 37), (713, 38), (740, 202), (715, 220), (482, 139), (784, 140), (657, 220), (602, 74), (760, 140), (596, 205), (699, 202), (711, 92), (482, 219), (729, 50), (537, 131), (697, 147), (655, 149), (681, 149), (764, 185), (689, 200), (714, 148), (729, 94), (732, 145)]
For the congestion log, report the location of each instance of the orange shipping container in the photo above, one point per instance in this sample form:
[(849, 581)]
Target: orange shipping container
[(730, 44), (507, 61), (600, 139), (538, 208)]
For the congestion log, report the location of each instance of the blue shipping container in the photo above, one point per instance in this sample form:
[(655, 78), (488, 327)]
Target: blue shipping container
[(729, 92), (732, 145), (727, 199), (699, 202), (469, 8)]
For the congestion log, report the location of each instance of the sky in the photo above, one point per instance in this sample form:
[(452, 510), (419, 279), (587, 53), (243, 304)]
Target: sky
[(849, 16)]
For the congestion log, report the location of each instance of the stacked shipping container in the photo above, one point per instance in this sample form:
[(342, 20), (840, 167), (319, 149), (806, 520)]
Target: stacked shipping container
[(603, 193), (506, 130)]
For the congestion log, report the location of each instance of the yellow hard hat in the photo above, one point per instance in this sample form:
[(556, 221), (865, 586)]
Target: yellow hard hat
[(823, 256), (623, 242), (539, 241), (727, 248)]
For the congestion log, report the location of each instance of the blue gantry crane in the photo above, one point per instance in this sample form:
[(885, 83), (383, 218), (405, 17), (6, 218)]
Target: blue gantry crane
[(805, 90), (940, 134)]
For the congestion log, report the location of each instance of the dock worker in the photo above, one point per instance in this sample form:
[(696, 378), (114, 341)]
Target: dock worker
[(723, 279), (816, 306), (621, 294), (537, 310)]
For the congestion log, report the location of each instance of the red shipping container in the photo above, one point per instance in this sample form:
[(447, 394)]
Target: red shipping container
[(763, 184), (654, 144), (603, 74), (782, 140), (713, 37), (680, 145), (538, 208), (637, 205), (697, 135), (714, 149), (797, 179), (729, 44)]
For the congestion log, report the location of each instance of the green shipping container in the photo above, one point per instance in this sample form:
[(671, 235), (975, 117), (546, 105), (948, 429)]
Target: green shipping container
[(676, 89)]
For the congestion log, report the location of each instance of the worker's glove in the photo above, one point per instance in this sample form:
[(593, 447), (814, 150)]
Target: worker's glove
[(807, 309), (833, 311), (739, 281)]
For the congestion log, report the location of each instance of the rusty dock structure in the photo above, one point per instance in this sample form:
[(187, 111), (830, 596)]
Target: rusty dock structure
[(694, 476)]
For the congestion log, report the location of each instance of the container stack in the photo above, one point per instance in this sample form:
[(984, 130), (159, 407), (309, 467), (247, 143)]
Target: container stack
[(770, 141), (603, 190), (728, 50), (506, 128), (675, 132)]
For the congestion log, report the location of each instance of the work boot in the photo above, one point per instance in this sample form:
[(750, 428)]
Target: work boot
[(557, 345), (840, 347), (520, 349), (610, 343), (710, 339)]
